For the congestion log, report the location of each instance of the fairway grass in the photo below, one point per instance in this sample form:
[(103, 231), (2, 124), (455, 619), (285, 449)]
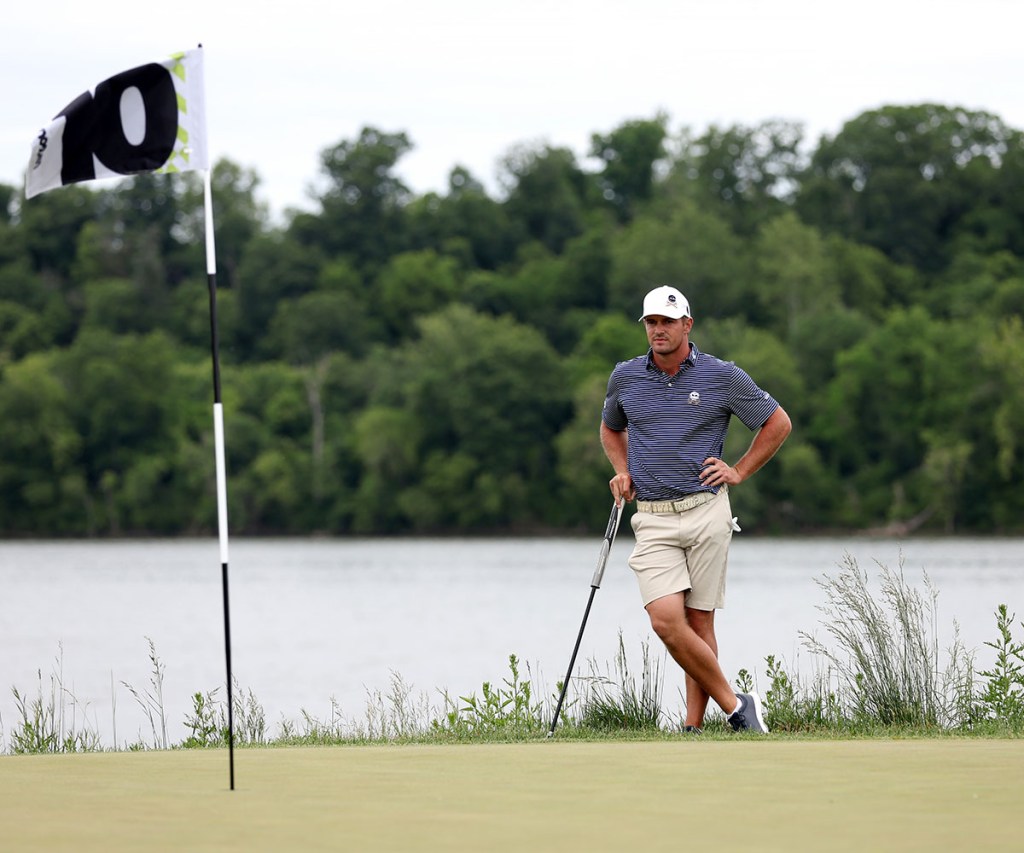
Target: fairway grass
[(754, 795)]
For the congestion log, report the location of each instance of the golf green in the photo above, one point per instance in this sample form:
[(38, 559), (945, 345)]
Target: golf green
[(933, 794)]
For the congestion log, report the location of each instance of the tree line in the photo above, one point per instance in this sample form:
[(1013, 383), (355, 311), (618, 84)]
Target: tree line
[(436, 363)]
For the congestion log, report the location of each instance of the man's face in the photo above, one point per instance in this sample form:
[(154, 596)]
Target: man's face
[(666, 335)]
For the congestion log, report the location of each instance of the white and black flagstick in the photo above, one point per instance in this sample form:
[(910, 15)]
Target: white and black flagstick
[(218, 436), (595, 585), (88, 140)]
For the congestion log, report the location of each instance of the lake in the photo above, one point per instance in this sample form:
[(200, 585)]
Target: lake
[(319, 619)]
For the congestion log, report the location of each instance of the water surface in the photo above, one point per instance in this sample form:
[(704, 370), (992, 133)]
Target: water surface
[(313, 620)]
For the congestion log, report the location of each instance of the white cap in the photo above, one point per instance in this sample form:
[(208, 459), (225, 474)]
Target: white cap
[(666, 301)]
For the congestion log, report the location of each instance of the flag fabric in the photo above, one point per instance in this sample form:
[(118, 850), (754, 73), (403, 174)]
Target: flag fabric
[(148, 119)]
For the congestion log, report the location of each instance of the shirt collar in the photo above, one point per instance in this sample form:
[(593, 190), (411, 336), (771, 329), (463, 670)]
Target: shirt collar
[(689, 361)]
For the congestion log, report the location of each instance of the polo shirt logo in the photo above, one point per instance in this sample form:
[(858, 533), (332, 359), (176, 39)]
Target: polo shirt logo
[(694, 398)]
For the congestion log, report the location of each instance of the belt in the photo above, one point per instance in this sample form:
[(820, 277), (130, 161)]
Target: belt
[(680, 504)]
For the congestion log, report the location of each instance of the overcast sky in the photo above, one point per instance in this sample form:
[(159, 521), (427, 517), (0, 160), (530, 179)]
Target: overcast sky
[(467, 80)]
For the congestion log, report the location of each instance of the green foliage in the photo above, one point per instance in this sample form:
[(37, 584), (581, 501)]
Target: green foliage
[(1002, 351), (792, 706), (746, 174), (202, 724), (22, 331), (548, 194), (582, 470), (208, 723), (466, 223), (238, 217), (899, 178), (611, 338), (630, 154), (482, 400), (314, 325), (796, 277), (49, 227), (275, 268), (904, 409), (362, 208), (413, 285), (476, 331), (1002, 698), (780, 698), (693, 249), (504, 710)]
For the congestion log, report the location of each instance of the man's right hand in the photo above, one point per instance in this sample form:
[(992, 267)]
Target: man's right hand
[(621, 486)]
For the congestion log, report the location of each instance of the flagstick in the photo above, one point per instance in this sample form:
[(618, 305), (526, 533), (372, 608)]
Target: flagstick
[(218, 435)]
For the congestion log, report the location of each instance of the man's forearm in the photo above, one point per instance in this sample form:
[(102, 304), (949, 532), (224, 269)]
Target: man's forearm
[(615, 444), (765, 444)]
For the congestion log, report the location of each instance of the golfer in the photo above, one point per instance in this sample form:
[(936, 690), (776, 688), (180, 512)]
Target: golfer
[(663, 428)]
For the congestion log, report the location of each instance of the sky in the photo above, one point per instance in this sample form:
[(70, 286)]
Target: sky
[(469, 80)]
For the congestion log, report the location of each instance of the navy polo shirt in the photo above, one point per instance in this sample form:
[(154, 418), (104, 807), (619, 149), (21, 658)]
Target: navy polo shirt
[(676, 422)]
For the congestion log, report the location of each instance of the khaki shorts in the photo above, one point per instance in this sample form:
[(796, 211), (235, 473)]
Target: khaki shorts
[(684, 552)]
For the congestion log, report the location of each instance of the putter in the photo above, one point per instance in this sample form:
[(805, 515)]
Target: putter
[(595, 585)]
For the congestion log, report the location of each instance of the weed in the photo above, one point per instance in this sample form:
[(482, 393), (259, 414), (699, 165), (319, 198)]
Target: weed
[(744, 681), (204, 728), (508, 709), (1003, 694), (782, 709), (208, 722)]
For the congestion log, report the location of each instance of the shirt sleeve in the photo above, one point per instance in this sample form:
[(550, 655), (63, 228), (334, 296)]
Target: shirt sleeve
[(612, 414), (749, 403)]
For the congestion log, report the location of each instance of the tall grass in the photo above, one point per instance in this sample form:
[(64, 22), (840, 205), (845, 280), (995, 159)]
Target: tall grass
[(394, 714), (886, 659), (883, 669), (614, 700), (208, 723), (53, 720), (151, 700)]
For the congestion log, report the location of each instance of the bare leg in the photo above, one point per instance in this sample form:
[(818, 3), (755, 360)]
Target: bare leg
[(689, 650), (703, 624)]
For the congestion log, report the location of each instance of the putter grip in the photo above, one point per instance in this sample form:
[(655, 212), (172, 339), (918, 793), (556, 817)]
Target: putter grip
[(613, 524), (602, 561), (606, 546)]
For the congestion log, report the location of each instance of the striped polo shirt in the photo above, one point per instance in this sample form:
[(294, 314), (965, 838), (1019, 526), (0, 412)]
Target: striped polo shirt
[(676, 422)]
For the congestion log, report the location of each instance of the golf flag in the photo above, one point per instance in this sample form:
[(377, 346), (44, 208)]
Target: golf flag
[(149, 119)]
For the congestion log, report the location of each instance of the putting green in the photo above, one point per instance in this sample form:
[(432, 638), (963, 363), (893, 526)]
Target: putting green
[(551, 795)]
